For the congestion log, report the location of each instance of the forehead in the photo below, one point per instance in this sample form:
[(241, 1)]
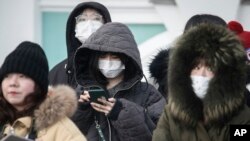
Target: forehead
[(90, 11)]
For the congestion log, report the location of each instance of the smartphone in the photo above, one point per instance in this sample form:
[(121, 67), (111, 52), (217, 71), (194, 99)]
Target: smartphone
[(14, 138), (97, 92)]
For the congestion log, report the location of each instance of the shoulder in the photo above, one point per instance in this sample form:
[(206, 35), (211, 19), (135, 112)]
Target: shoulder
[(59, 66), (57, 74), (243, 117), (61, 102), (150, 93), (63, 129)]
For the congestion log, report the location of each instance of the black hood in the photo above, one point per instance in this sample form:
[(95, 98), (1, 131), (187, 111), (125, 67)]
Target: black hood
[(158, 69), (111, 37), (225, 95), (71, 40)]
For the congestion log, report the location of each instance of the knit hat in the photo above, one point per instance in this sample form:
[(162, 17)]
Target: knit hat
[(29, 59), (243, 35)]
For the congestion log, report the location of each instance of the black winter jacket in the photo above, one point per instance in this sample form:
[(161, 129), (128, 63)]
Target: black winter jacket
[(63, 72), (141, 103)]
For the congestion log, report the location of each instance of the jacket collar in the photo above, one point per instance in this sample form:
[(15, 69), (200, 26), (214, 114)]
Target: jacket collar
[(61, 102)]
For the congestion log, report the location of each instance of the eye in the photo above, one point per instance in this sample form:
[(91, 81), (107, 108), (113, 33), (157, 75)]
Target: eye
[(97, 19), (103, 55), (114, 57), (23, 76), (197, 67), (7, 75), (81, 18), (209, 69)]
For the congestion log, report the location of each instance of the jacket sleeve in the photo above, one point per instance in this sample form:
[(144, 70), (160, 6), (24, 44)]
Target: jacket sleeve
[(136, 122), (162, 131), (83, 117)]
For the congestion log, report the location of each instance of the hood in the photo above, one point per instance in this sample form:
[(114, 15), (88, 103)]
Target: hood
[(71, 41), (158, 69), (225, 95), (111, 37), (60, 102)]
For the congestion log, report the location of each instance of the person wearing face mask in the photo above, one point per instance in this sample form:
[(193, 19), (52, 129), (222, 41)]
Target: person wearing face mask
[(206, 81), (110, 59), (85, 19), (158, 68)]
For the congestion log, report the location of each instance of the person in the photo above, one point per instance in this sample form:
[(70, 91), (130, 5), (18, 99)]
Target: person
[(85, 19), (159, 65), (110, 59), (244, 37), (207, 74), (28, 108)]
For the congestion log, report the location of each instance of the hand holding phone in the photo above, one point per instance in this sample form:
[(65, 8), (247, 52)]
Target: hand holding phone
[(97, 92)]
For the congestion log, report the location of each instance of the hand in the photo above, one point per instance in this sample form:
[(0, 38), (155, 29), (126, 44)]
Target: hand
[(84, 97), (105, 107)]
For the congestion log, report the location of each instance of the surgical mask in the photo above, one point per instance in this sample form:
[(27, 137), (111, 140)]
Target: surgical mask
[(110, 68), (85, 28), (200, 85)]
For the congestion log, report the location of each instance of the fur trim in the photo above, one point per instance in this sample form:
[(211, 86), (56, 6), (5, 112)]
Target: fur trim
[(225, 96), (159, 66), (158, 69), (60, 102)]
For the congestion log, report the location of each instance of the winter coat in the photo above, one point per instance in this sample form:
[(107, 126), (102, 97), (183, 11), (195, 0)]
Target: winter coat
[(141, 103), (63, 72), (187, 117), (51, 119)]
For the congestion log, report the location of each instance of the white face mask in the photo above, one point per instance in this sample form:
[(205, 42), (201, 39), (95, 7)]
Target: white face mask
[(200, 85), (84, 29), (110, 69)]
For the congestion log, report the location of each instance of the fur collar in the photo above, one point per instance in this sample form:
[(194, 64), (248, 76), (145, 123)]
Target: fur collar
[(225, 95), (60, 102)]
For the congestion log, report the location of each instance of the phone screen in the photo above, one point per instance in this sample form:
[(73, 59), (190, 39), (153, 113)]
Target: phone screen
[(96, 93)]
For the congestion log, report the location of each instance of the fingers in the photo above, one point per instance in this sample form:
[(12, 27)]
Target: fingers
[(112, 100), (101, 108), (105, 106), (84, 97), (105, 102)]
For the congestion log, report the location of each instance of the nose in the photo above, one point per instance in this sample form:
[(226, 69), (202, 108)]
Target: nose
[(13, 80), (202, 71)]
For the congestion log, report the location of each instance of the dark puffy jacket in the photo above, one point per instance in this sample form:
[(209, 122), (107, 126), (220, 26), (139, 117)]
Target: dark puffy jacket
[(63, 72), (141, 103)]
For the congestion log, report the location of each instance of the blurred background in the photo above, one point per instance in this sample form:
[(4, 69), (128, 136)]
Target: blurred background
[(154, 23)]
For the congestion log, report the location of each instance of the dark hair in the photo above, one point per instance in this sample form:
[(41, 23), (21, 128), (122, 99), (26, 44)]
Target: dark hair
[(10, 114), (129, 71), (203, 60), (204, 18)]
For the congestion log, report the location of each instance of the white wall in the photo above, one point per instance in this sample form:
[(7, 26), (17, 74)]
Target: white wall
[(20, 19), (17, 24)]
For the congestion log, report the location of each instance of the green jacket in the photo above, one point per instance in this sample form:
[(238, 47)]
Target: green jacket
[(170, 130)]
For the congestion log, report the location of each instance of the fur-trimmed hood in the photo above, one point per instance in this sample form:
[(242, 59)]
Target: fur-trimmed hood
[(158, 69), (225, 95), (60, 102)]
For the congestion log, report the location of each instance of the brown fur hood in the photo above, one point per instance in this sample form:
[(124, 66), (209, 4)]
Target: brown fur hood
[(225, 95), (60, 102)]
